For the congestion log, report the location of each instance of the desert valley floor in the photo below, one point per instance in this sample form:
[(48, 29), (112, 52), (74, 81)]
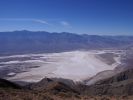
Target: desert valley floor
[(74, 65)]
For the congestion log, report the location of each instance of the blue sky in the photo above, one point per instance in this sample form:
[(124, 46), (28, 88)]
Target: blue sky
[(102, 17)]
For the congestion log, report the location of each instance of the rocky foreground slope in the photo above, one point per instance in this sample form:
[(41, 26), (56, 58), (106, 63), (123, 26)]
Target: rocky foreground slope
[(120, 84), (118, 87)]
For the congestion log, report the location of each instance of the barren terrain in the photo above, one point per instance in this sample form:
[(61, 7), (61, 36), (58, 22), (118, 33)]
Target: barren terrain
[(74, 65)]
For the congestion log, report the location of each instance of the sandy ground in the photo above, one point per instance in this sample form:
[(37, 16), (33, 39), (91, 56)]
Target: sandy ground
[(75, 65)]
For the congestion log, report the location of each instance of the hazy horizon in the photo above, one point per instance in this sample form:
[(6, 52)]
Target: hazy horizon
[(68, 32)]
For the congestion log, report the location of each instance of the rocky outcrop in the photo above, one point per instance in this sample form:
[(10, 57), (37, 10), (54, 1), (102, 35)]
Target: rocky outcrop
[(120, 84), (7, 84), (54, 86)]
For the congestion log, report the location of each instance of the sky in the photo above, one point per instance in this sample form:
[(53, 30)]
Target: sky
[(96, 17)]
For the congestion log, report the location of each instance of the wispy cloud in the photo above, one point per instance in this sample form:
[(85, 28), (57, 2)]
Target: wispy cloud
[(50, 22), (64, 23), (40, 21), (25, 19)]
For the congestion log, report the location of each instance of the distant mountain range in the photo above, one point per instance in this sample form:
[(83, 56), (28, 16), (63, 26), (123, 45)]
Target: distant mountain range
[(20, 42)]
